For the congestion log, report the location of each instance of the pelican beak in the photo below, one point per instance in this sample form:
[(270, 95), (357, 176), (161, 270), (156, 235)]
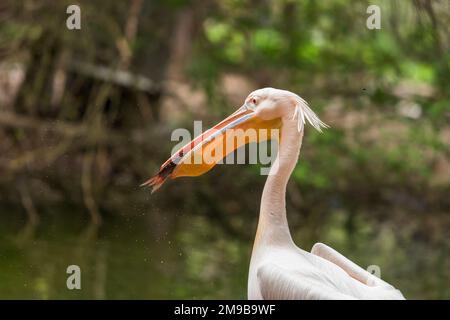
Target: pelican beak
[(206, 150)]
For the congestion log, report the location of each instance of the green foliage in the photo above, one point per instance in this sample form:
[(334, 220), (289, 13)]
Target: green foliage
[(268, 42)]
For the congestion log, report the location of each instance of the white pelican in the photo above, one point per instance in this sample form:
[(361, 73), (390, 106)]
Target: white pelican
[(278, 268)]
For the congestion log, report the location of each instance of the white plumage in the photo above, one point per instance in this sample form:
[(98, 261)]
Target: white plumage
[(278, 268), (324, 274)]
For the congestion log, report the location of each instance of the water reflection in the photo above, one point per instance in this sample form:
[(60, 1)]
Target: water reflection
[(146, 257)]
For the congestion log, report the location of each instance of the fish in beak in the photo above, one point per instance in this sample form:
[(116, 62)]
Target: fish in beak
[(206, 150)]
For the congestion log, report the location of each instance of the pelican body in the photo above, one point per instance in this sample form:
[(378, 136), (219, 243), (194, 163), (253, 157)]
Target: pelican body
[(278, 268)]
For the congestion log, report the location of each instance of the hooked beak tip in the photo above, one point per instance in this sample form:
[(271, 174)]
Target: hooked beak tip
[(155, 183)]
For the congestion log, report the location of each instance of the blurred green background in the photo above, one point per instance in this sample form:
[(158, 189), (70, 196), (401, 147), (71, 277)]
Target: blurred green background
[(86, 116)]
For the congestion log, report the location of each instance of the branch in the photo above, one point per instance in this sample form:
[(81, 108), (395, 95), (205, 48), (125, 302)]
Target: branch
[(13, 120), (86, 185)]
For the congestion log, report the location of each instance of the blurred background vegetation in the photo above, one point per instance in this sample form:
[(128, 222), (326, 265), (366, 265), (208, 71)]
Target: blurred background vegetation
[(86, 116)]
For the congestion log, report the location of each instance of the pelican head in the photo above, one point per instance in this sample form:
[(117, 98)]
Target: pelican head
[(263, 111), (271, 103)]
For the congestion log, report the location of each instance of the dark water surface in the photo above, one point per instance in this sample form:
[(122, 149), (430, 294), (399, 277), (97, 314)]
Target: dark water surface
[(150, 257)]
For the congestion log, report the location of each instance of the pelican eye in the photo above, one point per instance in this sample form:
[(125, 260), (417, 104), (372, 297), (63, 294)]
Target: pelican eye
[(251, 103)]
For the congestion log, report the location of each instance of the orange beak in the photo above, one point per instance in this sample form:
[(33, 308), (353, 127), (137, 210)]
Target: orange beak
[(206, 150)]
